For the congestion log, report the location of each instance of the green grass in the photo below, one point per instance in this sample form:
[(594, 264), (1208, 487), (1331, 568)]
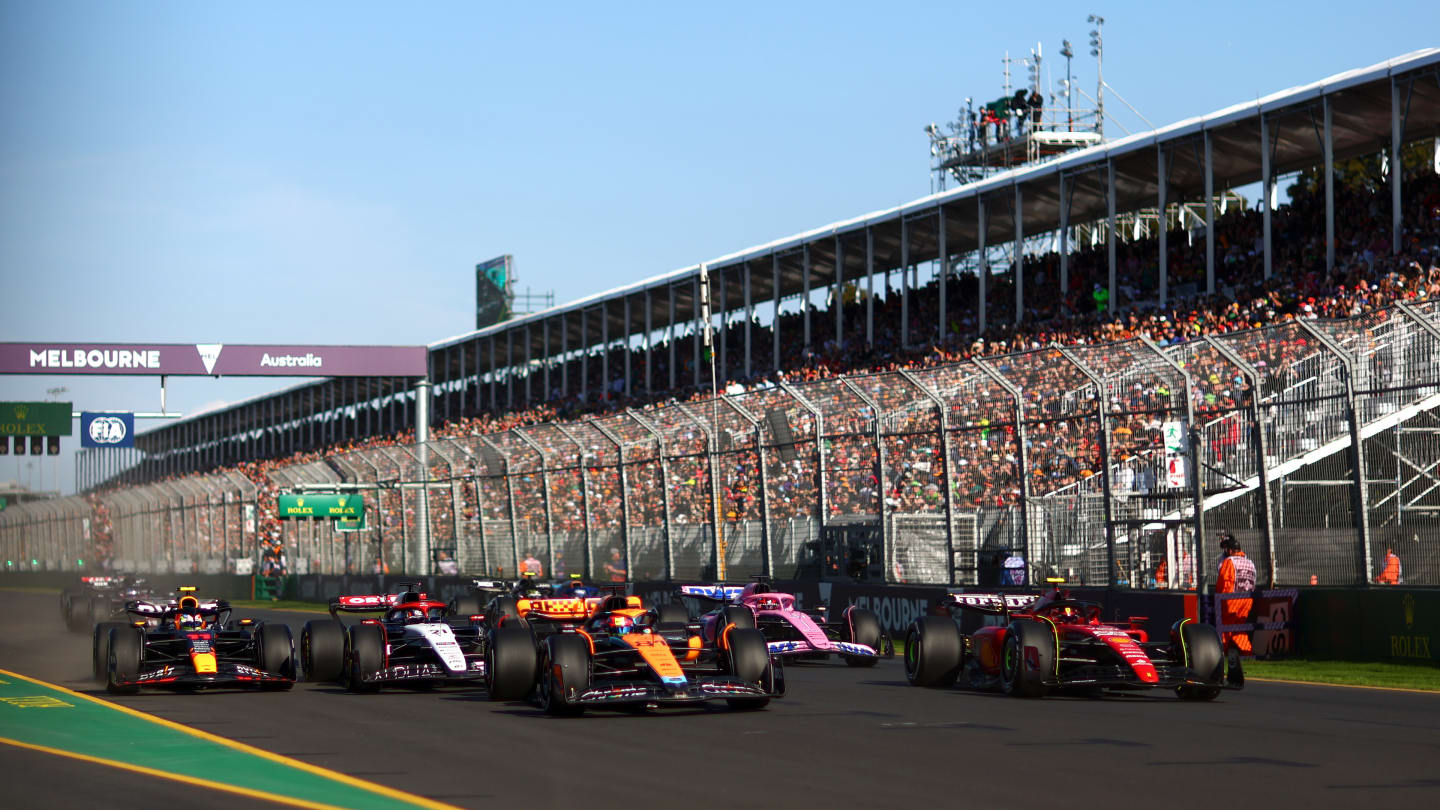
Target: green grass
[(1351, 673), (283, 604)]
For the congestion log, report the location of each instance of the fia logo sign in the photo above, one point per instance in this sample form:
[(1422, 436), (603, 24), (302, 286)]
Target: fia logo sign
[(108, 430)]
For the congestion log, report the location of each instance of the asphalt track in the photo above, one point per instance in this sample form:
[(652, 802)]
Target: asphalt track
[(841, 738)]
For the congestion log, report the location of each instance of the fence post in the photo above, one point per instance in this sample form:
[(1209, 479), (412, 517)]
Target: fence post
[(664, 496), (1102, 400), (820, 477), (1262, 450), (887, 540), (624, 499), (1357, 451), (1022, 459), (944, 431)]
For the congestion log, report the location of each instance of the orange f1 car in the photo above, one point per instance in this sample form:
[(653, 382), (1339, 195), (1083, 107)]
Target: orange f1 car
[(612, 652)]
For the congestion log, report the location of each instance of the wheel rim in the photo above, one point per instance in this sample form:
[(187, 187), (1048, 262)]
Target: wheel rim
[(912, 653), (1012, 660)]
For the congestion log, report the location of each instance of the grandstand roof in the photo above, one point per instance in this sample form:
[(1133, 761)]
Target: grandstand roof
[(1360, 107)]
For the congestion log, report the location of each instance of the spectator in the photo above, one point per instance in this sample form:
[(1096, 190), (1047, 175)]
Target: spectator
[(531, 566), (615, 567)]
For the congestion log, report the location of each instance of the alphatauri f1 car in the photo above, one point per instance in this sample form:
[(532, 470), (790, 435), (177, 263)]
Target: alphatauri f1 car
[(621, 655), (192, 643), (417, 641), (855, 636), (1034, 645)]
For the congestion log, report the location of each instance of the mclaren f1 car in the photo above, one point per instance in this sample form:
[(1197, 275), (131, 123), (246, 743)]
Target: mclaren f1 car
[(1035, 645), (190, 643), (618, 654)]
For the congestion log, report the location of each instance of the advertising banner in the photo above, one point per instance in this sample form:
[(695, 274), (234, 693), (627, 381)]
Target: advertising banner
[(35, 419), (320, 506), (212, 359), (107, 429)]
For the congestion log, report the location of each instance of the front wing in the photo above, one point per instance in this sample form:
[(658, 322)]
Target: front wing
[(225, 674), (619, 692)]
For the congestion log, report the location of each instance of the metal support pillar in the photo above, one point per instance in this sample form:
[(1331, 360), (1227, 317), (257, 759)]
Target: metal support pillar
[(1397, 132), (584, 352), (944, 256), (628, 331), (904, 283), (1266, 197), (805, 294), (984, 265), (1113, 303), (837, 299), (870, 287), (529, 342), (494, 379), (510, 369), (775, 324), (749, 312), (649, 345), (697, 329), (1018, 258), (1064, 241), (605, 389), (1328, 147), (564, 356), (670, 336), (1209, 215), (1162, 189), (723, 299), (549, 360)]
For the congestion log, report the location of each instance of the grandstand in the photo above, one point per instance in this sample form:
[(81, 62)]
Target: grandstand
[(984, 414)]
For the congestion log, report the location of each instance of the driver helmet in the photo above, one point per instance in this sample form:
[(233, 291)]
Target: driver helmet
[(620, 624), (768, 602), (1070, 613), (189, 621), (413, 615)]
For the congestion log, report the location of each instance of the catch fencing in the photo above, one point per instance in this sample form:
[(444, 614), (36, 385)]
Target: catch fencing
[(1316, 443)]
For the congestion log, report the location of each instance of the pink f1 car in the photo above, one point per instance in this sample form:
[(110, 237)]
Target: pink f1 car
[(789, 632)]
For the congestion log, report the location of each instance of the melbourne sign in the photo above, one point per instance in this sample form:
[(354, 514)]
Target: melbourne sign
[(212, 359), (320, 506), (107, 429), (35, 418)]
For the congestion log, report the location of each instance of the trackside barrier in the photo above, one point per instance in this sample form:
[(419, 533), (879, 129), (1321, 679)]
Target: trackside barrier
[(1271, 621)]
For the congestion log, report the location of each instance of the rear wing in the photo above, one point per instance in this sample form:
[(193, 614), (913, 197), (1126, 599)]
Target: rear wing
[(363, 603), (712, 593), (991, 604), (217, 608)]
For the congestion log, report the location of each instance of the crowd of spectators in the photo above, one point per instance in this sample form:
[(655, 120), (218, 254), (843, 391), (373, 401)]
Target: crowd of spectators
[(567, 468)]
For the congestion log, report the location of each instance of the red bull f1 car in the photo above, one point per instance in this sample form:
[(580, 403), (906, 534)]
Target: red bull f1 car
[(789, 632), (415, 641), (1034, 645), (572, 656), (190, 643)]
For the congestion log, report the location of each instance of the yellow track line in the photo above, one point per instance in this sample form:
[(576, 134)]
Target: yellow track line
[(189, 780), (1347, 686), (248, 749)]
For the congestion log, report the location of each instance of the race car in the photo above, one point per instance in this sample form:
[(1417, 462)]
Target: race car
[(194, 644), (98, 599), (417, 641), (789, 632), (619, 656), (1034, 645)]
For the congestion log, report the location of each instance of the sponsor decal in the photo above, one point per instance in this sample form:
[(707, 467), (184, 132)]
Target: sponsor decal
[(854, 649), (163, 672), (94, 358), (308, 360), (107, 430), (785, 646), (893, 611), (209, 353)]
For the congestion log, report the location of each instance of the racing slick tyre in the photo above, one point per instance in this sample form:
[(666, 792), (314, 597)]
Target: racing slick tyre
[(127, 645), (1021, 676), (275, 654), (671, 616), (466, 605), (503, 609), (742, 617), (863, 627), (934, 652), (79, 615), (322, 650), (100, 648), (510, 663), (1200, 649), (749, 660), (564, 674), (364, 655)]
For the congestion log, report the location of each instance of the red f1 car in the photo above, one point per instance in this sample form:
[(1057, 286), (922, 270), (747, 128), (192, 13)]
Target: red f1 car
[(1033, 645)]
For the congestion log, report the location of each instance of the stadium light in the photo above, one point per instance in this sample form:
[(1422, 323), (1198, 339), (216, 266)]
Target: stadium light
[(1069, 53), (1097, 50)]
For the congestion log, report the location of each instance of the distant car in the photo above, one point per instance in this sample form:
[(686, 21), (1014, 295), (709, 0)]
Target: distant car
[(189, 643), (619, 654), (1035, 645), (854, 635), (98, 599), (416, 641)]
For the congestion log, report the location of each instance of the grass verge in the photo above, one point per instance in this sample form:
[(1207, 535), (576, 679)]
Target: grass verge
[(283, 604), (1349, 673)]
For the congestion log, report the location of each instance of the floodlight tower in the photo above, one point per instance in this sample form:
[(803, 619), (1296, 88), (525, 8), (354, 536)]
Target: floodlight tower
[(1097, 50), (1069, 53)]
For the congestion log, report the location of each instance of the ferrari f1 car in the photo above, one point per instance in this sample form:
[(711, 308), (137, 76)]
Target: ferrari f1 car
[(1034, 645), (194, 643), (620, 655), (790, 632), (417, 641)]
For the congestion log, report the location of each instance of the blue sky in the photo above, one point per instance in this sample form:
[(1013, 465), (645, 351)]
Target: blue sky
[(331, 172)]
